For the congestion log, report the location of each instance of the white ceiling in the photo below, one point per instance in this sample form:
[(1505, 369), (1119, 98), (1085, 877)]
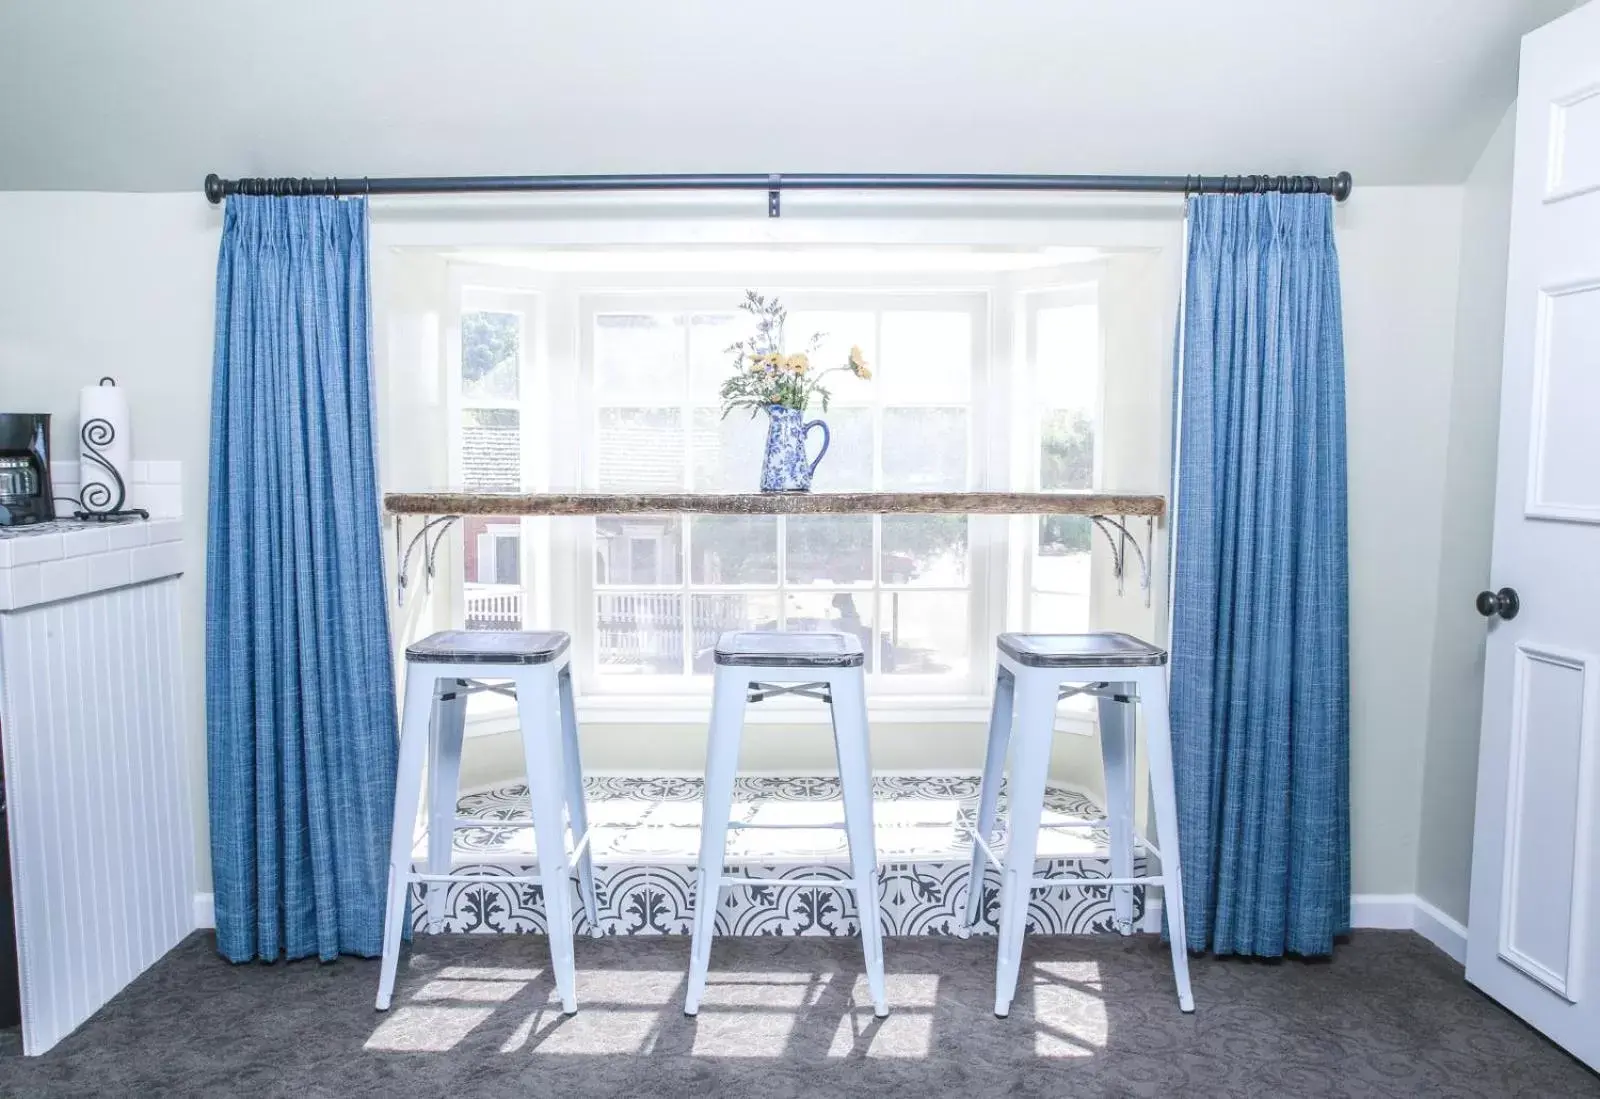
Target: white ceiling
[(155, 94)]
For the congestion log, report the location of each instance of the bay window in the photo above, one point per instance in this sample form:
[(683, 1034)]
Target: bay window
[(599, 384)]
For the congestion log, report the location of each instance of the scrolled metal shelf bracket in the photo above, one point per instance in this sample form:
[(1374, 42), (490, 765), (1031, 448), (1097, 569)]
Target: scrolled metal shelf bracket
[(438, 526), (1121, 541)]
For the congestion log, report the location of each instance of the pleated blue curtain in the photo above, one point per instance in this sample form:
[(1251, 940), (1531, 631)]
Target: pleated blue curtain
[(300, 710), (1260, 638)]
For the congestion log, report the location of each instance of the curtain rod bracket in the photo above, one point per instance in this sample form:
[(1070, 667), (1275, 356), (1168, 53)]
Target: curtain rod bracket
[(774, 207)]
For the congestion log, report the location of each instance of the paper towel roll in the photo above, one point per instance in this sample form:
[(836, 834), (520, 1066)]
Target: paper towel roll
[(104, 443)]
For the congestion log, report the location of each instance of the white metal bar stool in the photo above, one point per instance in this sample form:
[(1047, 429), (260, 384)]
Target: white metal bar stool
[(442, 671), (1035, 672), (753, 666)]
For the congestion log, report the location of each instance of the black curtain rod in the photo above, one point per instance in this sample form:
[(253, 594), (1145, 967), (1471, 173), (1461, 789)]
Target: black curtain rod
[(217, 188)]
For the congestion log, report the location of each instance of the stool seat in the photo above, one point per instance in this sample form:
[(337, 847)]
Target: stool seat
[(779, 649), (489, 647), (1081, 650)]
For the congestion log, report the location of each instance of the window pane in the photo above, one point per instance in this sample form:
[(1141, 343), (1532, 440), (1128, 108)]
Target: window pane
[(1067, 356), (1061, 536), (924, 633), (492, 595), (639, 632), (727, 453), (924, 448), (925, 549), (641, 448), (1066, 450), (1060, 602), (828, 550), (733, 549), (638, 356), (490, 355), (846, 612), (1059, 614), (710, 364), (839, 331), (847, 467), (491, 449), (638, 549), (715, 615), (927, 356)]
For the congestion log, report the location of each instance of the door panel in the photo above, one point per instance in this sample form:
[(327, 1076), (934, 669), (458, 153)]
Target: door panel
[(1552, 723), (1565, 447), (1534, 860), (1574, 149)]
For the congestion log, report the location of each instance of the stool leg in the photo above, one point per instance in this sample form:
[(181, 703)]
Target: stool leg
[(994, 771), (1033, 722), (722, 762), (577, 810), (849, 709), (541, 745), (1117, 754), (1158, 743), (444, 775), (414, 736)]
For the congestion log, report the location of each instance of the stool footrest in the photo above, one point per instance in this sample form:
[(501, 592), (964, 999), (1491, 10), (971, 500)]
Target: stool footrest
[(1068, 824), (528, 879), (794, 883), (1086, 883), (788, 827), (760, 692), (463, 823)]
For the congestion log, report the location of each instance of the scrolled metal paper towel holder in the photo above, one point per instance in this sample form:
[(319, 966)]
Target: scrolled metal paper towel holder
[(99, 501)]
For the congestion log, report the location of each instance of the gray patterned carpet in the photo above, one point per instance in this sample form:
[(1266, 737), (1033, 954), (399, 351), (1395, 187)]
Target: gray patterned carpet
[(1096, 1016)]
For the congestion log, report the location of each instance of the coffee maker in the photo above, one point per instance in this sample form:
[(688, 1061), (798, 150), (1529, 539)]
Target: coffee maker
[(25, 469)]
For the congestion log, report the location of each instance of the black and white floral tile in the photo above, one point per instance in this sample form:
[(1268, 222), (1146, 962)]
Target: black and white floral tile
[(646, 837)]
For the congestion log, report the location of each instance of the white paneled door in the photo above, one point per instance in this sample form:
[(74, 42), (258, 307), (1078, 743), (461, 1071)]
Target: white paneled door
[(1534, 938)]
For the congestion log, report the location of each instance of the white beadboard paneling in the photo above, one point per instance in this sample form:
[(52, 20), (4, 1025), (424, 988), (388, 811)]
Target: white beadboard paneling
[(101, 844)]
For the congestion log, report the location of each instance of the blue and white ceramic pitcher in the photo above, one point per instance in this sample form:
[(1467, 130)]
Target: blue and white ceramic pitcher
[(785, 469)]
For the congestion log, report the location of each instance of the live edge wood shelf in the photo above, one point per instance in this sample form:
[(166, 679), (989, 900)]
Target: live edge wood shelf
[(1108, 511), (1127, 504)]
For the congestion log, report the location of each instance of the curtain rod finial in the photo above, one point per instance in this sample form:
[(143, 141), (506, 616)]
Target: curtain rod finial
[(1342, 183), (214, 190)]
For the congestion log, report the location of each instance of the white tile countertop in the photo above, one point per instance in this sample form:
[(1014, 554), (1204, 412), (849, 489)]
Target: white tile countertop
[(68, 558)]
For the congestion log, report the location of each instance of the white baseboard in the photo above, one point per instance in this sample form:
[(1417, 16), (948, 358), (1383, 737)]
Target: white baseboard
[(1380, 912), (1383, 911), (1375, 911), (1444, 932)]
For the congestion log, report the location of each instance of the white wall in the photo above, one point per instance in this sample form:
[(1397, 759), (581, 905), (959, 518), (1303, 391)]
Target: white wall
[(1398, 250), (1455, 688), (122, 284)]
